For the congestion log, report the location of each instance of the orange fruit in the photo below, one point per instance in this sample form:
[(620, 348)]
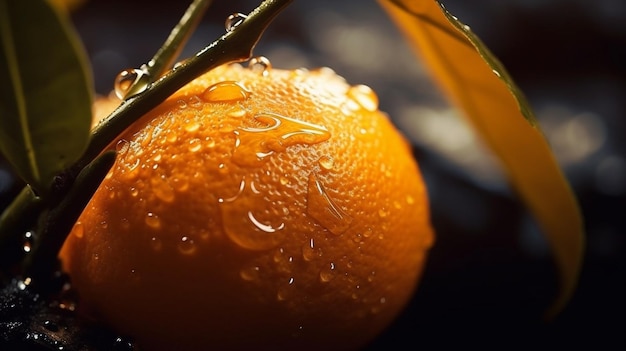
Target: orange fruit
[(255, 208)]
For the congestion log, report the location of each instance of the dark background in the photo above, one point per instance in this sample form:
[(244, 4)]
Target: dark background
[(490, 274)]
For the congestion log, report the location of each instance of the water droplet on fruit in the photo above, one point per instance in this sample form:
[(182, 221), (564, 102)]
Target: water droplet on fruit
[(244, 227), (253, 144), (122, 146), (195, 145), (308, 251), (328, 273), (268, 228), (410, 200), (226, 91), (234, 20), (156, 243), (326, 163), (182, 104), (286, 291), (250, 274), (322, 207), (260, 65), (129, 77), (364, 96), (186, 246), (78, 230), (152, 220), (162, 189), (192, 126)]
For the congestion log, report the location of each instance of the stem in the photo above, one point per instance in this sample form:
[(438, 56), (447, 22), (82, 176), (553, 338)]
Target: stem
[(234, 46), (170, 50), (60, 220)]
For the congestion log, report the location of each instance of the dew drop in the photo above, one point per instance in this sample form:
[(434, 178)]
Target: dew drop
[(182, 104), (195, 145), (382, 213), (192, 126), (122, 146), (326, 163), (152, 220), (321, 207), (364, 96), (226, 91), (28, 241), (260, 65), (179, 182), (237, 113), (256, 143), (156, 244), (234, 20), (78, 230), (286, 291), (410, 200), (134, 192), (328, 273), (250, 274), (129, 77), (186, 246), (162, 189), (245, 228), (308, 251)]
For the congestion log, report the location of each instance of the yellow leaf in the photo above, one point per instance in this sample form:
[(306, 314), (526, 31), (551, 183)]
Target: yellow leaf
[(478, 84)]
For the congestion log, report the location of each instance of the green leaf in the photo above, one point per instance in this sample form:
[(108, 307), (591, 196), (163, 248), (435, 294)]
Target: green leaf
[(479, 85), (45, 91)]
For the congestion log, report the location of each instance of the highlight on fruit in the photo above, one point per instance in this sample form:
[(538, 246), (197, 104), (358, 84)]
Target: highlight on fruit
[(219, 202)]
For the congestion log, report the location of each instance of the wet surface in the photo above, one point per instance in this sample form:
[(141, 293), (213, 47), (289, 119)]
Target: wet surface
[(489, 275)]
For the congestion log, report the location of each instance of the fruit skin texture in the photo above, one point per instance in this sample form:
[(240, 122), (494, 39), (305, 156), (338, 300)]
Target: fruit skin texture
[(254, 210)]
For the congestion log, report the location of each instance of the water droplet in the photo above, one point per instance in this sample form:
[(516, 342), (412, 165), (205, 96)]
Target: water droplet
[(286, 291), (326, 163), (268, 228), (128, 78), (284, 180), (250, 274), (237, 113), (28, 241), (187, 246), (195, 145), (321, 207), (152, 220), (256, 143), (245, 228), (51, 326), (182, 104), (234, 20), (226, 91), (260, 65), (134, 192), (497, 73), (122, 146), (192, 126), (308, 251), (78, 230), (382, 213), (156, 243), (328, 273), (162, 189), (179, 182), (410, 200)]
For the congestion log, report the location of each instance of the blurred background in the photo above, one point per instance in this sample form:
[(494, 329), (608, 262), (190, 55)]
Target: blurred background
[(490, 274)]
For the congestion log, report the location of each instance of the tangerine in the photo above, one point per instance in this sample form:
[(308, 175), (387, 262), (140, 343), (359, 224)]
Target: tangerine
[(256, 207)]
